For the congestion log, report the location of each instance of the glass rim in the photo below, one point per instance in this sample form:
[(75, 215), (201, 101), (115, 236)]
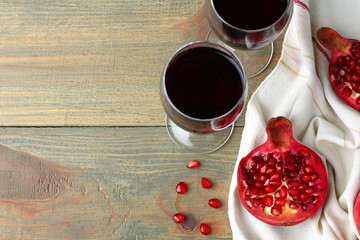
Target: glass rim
[(251, 30), (196, 44)]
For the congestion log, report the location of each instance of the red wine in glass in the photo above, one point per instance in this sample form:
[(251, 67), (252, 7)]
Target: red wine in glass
[(248, 25), (250, 14), (203, 82), (203, 91)]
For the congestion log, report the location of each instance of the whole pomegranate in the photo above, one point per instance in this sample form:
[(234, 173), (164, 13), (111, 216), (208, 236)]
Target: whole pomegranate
[(282, 182), (357, 212), (344, 67)]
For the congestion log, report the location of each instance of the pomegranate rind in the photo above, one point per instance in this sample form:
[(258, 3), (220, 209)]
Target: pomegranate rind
[(357, 212), (340, 47), (280, 143)]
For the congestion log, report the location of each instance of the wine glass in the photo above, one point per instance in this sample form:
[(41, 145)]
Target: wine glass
[(203, 91), (249, 27)]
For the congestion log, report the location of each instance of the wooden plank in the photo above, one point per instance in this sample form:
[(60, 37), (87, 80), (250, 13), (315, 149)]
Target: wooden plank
[(92, 63), (108, 183)]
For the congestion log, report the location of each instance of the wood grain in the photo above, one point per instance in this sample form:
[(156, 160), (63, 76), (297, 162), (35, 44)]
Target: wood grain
[(92, 63), (108, 183)]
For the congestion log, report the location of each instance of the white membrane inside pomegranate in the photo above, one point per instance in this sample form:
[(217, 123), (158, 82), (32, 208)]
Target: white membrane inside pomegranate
[(282, 182)]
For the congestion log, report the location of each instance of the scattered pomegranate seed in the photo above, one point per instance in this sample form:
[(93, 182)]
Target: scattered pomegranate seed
[(193, 164), (181, 187), (206, 183), (204, 229), (215, 203), (179, 218)]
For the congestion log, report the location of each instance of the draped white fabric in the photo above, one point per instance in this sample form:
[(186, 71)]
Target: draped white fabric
[(298, 89)]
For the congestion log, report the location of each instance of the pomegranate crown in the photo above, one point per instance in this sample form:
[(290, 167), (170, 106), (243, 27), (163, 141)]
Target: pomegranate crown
[(279, 131)]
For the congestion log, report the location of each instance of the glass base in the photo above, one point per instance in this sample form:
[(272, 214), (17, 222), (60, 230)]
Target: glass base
[(254, 61), (198, 143)]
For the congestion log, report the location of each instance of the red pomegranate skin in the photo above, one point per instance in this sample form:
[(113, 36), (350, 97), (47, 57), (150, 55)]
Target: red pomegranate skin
[(282, 182), (357, 212), (344, 65)]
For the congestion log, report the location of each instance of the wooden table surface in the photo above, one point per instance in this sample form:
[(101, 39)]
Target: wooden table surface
[(83, 147)]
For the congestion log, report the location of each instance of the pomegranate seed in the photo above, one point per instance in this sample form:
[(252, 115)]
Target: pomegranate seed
[(308, 169), (316, 176), (293, 192), (275, 176), (302, 187), (355, 86), (340, 62), (293, 205), (305, 177), (276, 211), (352, 65), (272, 162), (355, 77), (357, 69), (256, 177), (181, 187), (338, 84), (290, 167), (310, 199), (269, 189), (305, 207), (268, 200), (260, 202), (347, 92), (294, 183), (309, 190), (304, 196), (342, 72), (282, 193), (304, 153), (206, 183), (280, 202), (204, 229), (334, 68), (311, 184), (262, 178), (347, 60), (248, 193), (193, 164), (270, 171), (179, 218), (214, 203), (316, 200), (276, 183)]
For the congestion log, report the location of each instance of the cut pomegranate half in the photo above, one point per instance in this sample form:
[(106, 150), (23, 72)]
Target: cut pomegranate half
[(282, 182), (357, 212), (344, 66)]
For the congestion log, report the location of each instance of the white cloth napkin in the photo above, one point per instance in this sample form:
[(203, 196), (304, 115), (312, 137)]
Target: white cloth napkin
[(298, 89)]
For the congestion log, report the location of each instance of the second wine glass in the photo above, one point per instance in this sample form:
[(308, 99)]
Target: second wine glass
[(249, 27)]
